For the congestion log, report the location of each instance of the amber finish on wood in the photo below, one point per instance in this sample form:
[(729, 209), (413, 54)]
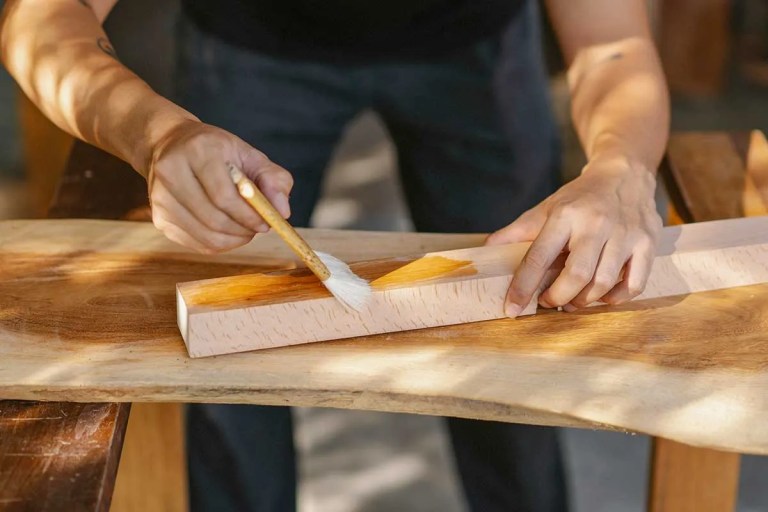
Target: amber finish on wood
[(270, 310), (686, 479), (57, 457)]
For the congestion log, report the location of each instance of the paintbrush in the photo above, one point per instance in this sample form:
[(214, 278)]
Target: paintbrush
[(349, 288)]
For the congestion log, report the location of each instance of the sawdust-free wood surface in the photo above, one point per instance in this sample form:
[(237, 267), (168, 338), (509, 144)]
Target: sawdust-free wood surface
[(692, 369)]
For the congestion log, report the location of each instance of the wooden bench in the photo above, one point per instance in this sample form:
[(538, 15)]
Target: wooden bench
[(707, 173)]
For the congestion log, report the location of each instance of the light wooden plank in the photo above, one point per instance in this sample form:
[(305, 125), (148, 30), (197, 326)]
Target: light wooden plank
[(248, 312)]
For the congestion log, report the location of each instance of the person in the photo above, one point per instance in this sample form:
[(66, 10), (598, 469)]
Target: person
[(269, 85)]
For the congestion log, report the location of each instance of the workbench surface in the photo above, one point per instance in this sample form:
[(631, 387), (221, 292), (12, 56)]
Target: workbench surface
[(89, 314)]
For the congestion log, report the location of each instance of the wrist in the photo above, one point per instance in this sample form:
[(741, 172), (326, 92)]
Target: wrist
[(622, 172), (619, 162), (163, 118)]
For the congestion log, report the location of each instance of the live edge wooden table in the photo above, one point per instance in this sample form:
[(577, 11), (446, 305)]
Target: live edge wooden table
[(64, 455)]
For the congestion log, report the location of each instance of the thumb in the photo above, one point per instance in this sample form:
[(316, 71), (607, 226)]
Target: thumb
[(525, 229)]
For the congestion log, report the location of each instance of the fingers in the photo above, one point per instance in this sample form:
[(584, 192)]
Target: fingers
[(194, 199), (273, 181), (189, 193), (636, 276), (537, 261), (213, 175), (182, 227), (524, 229), (607, 273), (175, 234), (585, 249)]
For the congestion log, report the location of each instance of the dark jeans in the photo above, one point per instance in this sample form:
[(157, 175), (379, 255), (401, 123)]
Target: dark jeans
[(476, 146)]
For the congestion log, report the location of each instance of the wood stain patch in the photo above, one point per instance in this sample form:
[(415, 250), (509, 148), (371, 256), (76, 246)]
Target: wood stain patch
[(424, 269), (301, 284)]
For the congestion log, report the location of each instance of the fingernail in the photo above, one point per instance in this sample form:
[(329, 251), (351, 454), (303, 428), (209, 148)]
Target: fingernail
[(512, 310), (281, 203), (568, 308), (262, 227)]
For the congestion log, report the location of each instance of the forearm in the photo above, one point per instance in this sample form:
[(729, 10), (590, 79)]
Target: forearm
[(60, 56), (606, 219), (620, 105)]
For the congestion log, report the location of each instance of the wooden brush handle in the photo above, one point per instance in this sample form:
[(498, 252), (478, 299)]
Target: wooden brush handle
[(251, 193)]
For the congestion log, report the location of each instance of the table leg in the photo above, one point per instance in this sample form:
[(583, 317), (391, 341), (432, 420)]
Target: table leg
[(689, 479), (152, 473)]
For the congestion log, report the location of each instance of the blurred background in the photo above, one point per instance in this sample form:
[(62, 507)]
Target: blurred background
[(715, 53)]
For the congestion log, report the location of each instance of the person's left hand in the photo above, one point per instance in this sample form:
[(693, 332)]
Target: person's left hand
[(606, 222)]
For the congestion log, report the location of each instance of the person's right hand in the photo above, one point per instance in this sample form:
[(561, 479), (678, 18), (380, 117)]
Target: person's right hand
[(194, 201)]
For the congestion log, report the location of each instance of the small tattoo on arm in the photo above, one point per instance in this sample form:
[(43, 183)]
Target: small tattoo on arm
[(106, 47), (616, 56), (85, 3)]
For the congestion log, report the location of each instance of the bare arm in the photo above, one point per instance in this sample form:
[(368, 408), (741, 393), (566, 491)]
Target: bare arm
[(69, 70), (62, 59), (605, 220), (619, 98)]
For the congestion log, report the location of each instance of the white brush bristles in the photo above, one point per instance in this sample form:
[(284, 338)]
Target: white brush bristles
[(350, 289)]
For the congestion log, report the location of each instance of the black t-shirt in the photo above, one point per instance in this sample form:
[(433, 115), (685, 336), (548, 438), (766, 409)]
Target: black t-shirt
[(352, 30)]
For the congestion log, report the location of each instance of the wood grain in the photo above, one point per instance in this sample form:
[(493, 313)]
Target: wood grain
[(240, 313), (663, 366), (692, 480), (58, 456)]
